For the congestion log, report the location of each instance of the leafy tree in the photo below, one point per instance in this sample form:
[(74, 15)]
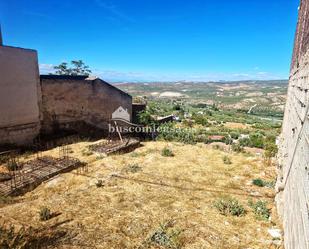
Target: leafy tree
[(62, 69), (200, 119), (235, 135), (78, 68), (145, 118), (177, 107), (257, 140), (271, 150)]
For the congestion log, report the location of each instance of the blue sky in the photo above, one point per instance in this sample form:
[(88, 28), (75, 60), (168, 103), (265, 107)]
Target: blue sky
[(158, 40)]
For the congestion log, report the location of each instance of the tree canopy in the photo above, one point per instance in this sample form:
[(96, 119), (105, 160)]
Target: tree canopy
[(76, 67)]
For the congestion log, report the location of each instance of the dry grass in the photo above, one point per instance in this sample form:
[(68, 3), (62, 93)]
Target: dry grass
[(131, 208), (233, 125)]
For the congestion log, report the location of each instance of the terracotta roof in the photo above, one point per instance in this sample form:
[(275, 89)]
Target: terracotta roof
[(216, 137)]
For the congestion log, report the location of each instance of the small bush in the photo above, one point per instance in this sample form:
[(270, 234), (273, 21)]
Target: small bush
[(202, 138), (217, 147), (258, 182), (236, 147), (261, 183), (235, 135), (134, 168), (4, 158), (134, 154), (227, 160), (167, 152), (164, 237), (45, 214), (87, 153), (270, 184), (229, 206), (12, 165), (100, 157), (99, 184), (168, 132), (260, 209), (271, 149)]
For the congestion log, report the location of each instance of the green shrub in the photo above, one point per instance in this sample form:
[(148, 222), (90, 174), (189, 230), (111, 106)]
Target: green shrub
[(100, 157), (145, 118), (164, 237), (169, 132), (258, 182), (133, 168), (260, 209), (200, 119), (228, 140), (261, 183), (235, 135), (135, 154), (12, 165), (167, 152), (229, 206), (202, 138), (245, 141), (257, 140), (236, 147), (270, 184), (271, 149), (45, 214), (227, 160)]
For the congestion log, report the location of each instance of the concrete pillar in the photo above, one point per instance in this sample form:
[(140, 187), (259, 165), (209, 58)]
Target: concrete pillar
[(1, 41)]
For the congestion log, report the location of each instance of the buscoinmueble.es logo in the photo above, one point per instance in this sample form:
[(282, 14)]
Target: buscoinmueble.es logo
[(121, 114)]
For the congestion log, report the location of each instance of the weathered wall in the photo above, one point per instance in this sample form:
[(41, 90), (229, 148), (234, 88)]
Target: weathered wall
[(68, 101), (293, 180), (19, 95), (136, 110)]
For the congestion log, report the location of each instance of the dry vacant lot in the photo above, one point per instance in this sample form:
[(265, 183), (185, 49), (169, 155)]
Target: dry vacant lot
[(150, 201)]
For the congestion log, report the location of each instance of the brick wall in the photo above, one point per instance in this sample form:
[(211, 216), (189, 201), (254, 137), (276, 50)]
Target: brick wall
[(68, 101)]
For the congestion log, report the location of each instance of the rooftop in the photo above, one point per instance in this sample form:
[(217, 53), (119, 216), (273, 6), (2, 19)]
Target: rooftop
[(63, 77)]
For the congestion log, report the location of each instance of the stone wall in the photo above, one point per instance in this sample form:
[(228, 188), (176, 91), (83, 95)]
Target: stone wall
[(19, 95), (293, 157), (68, 101)]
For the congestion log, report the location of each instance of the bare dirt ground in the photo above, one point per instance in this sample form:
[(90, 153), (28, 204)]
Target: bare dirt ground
[(233, 125), (143, 190)]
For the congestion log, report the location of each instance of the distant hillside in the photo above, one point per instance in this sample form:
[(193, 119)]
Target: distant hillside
[(267, 95)]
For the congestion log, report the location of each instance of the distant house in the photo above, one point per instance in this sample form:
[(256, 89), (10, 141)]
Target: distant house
[(166, 119), (244, 136)]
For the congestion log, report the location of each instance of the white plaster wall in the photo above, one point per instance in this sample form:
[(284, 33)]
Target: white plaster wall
[(19, 95), (293, 180)]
